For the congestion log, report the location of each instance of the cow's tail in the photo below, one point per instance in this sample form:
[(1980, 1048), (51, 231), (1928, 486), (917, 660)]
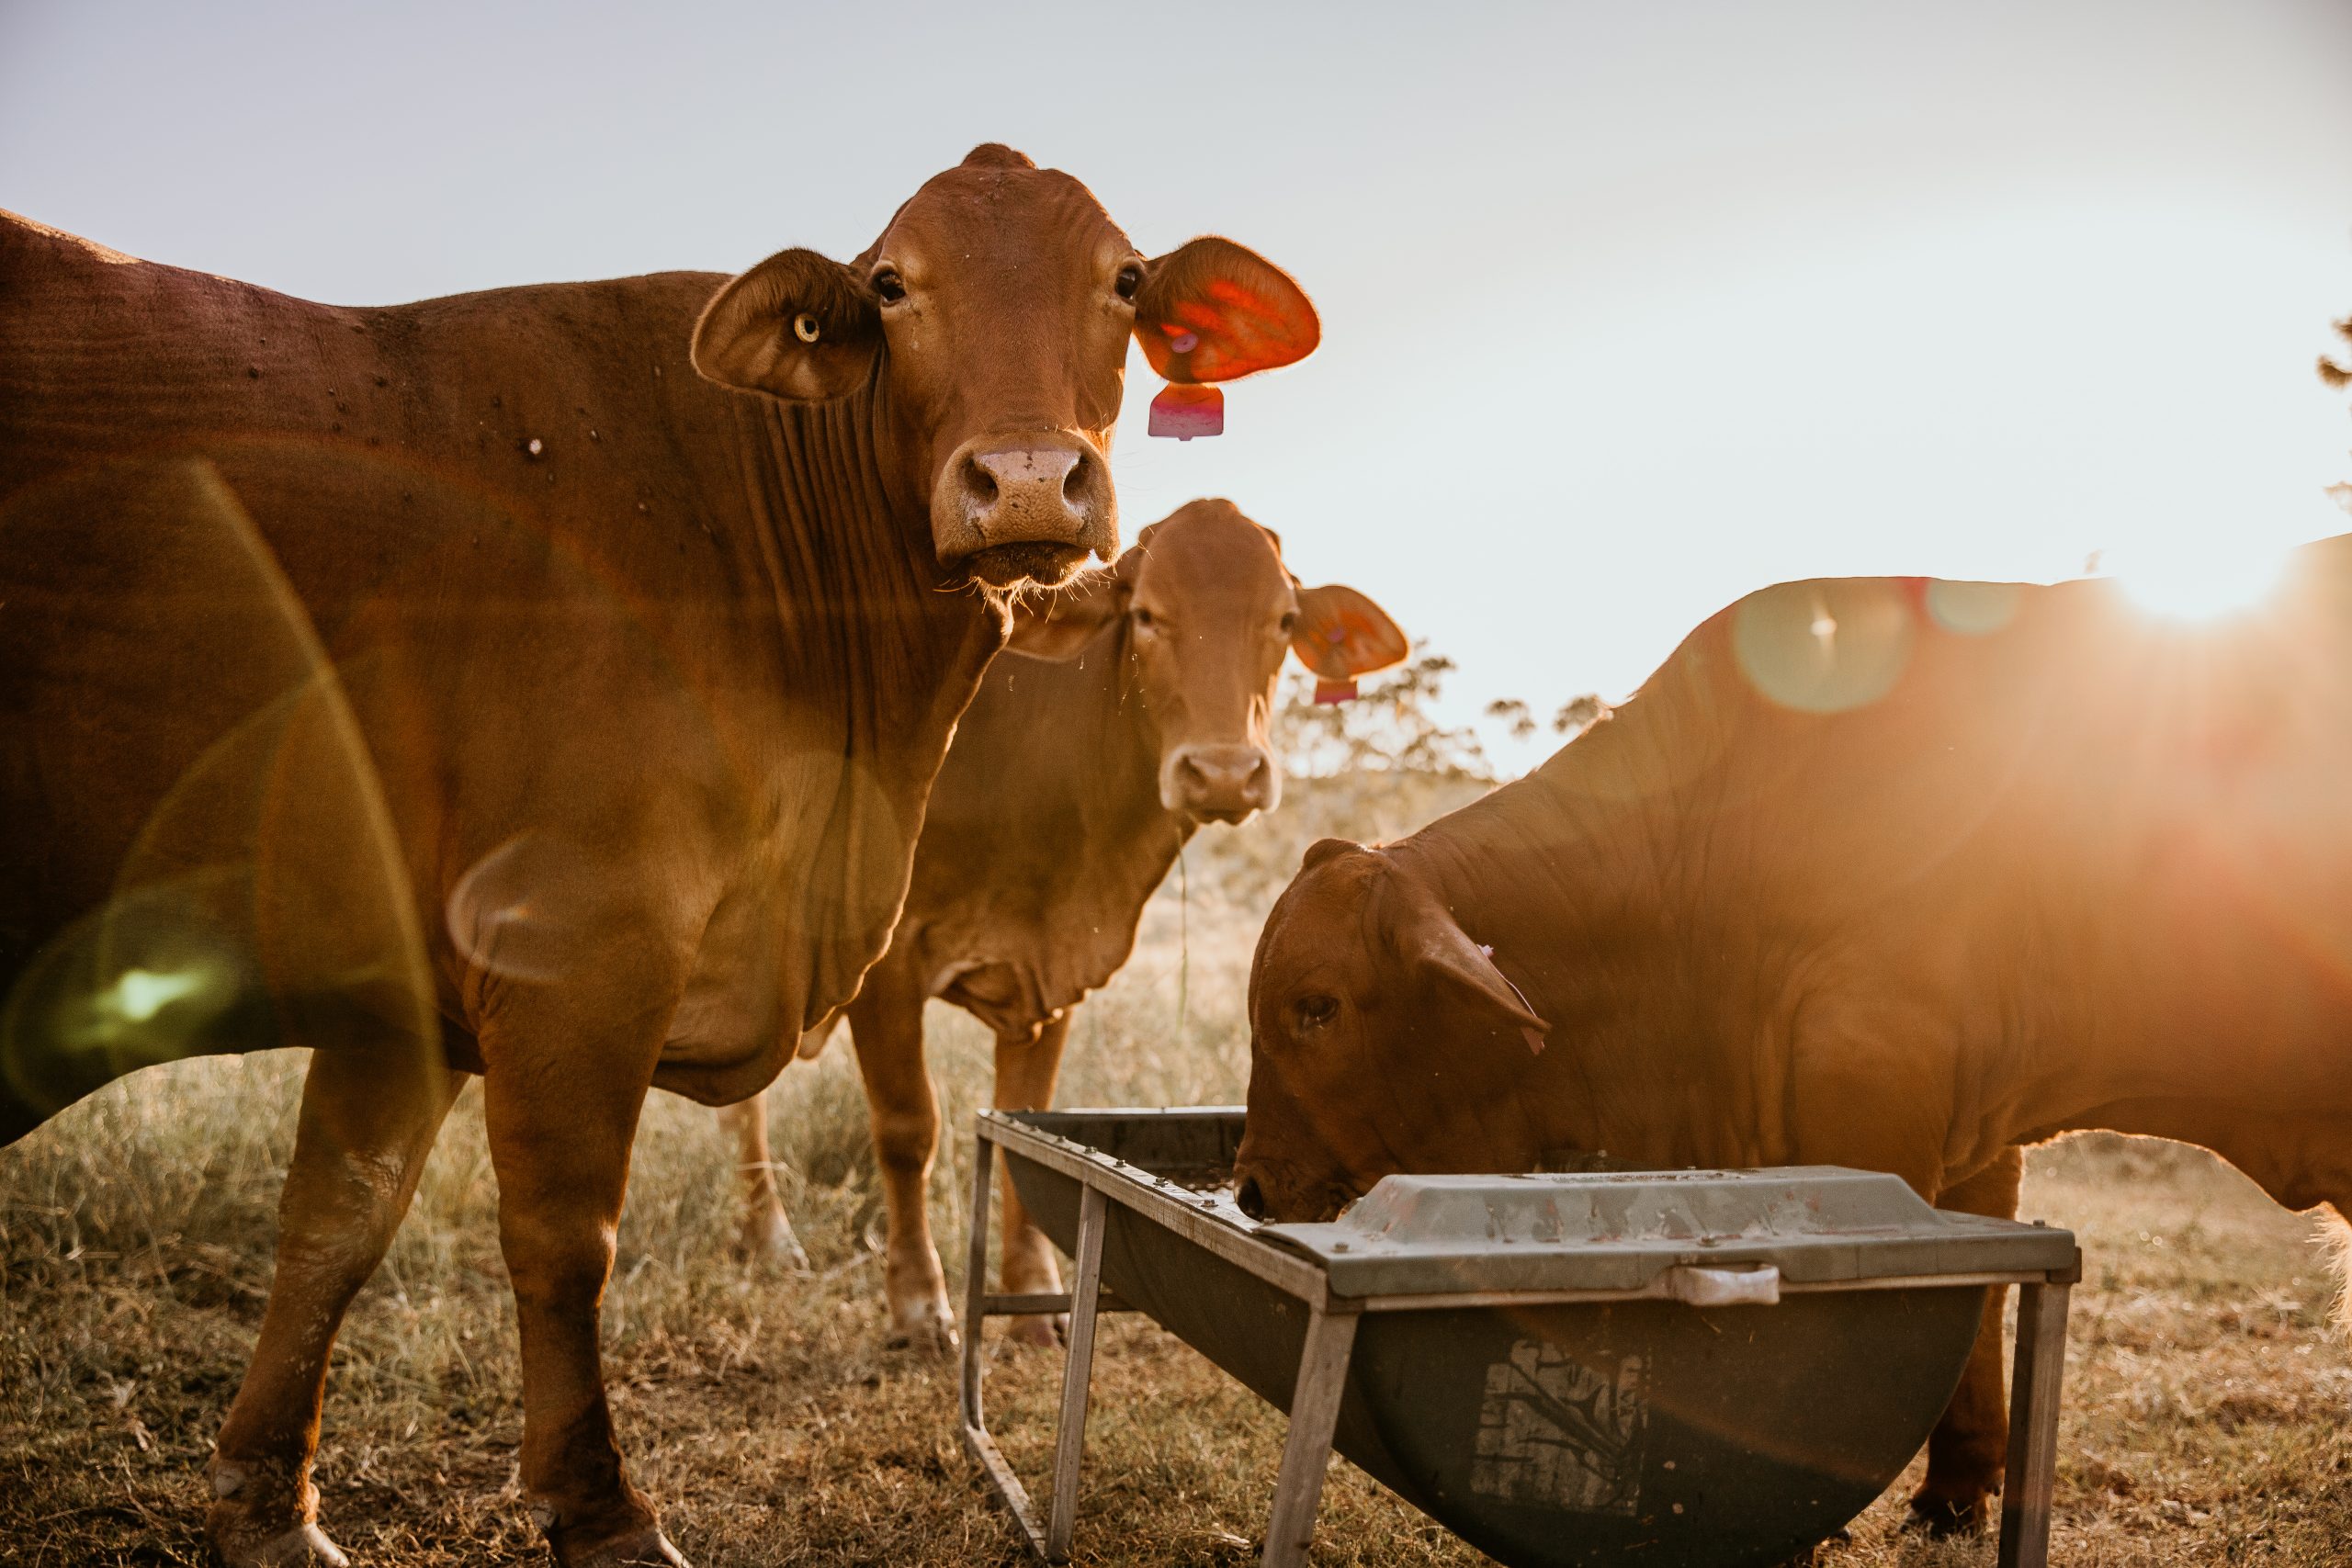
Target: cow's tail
[(2335, 1236)]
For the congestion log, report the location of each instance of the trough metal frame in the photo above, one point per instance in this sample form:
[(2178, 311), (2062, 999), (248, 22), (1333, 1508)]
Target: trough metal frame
[(2036, 1376)]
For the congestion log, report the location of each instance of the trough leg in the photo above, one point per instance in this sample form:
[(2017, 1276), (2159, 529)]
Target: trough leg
[(1314, 1415), (1026, 1067), (983, 1447), (1077, 1373), (2033, 1425)]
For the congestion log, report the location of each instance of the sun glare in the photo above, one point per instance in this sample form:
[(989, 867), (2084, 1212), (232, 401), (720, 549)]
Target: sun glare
[(2201, 585)]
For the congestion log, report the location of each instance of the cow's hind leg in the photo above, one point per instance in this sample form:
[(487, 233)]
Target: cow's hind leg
[(1027, 1068), (1966, 1451), (886, 1023), (766, 1237), (367, 1124)]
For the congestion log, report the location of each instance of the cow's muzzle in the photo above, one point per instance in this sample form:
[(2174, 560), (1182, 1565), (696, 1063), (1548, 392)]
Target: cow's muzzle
[(1024, 508), (1220, 783), (1264, 1191)]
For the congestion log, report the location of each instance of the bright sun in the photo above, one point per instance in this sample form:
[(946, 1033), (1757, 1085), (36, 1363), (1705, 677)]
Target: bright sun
[(2190, 585)]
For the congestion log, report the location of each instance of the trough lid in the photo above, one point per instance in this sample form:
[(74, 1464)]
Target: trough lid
[(1621, 1230)]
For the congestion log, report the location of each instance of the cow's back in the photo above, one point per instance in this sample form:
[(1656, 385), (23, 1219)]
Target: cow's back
[(283, 584), (2067, 818)]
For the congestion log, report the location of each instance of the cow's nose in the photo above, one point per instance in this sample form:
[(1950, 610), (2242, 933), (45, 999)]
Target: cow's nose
[(1251, 1197), (1220, 783), (1049, 489)]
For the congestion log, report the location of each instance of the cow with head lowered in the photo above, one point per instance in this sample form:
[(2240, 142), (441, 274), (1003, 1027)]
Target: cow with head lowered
[(1895, 874), (1032, 875), (542, 686)]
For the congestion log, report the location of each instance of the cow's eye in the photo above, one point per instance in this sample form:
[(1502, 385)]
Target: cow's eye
[(888, 284), (1129, 281), (1313, 1012), (1289, 620), (1143, 618)]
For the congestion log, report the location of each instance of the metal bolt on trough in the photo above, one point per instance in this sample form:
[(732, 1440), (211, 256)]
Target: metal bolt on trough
[(1682, 1369)]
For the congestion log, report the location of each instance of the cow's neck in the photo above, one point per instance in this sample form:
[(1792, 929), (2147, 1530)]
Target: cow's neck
[(1571, 875), (1046, 835), (879, 653)]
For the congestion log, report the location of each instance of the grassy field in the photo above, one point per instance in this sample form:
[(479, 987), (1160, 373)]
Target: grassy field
[(2206, 1416)]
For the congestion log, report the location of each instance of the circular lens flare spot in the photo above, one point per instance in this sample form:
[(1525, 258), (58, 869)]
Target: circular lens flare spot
[(1823, 647)]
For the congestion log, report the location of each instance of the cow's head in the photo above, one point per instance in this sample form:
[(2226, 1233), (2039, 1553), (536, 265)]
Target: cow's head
[(1381, 1039), (1208, 613), (992, 319)]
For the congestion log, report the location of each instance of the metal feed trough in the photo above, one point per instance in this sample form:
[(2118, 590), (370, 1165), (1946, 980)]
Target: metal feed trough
[(1699, 1368)]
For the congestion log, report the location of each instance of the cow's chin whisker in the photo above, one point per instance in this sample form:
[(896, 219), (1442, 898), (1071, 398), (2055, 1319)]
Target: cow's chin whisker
[(1039, 561)]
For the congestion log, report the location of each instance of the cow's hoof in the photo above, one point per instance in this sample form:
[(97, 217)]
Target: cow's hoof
[(1942, 1514), (929, 1331), (1043, 1329), (767, 1240), (648, 1548), (303, 1545)]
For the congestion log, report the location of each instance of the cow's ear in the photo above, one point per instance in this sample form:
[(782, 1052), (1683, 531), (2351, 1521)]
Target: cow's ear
[(1322, 849), (799, 325), (1441, 950), (1341, 633), (1212, 311)]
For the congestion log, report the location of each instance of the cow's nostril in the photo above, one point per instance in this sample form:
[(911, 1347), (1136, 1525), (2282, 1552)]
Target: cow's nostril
[(1081, 477), (1251, 1198), (979, 483)]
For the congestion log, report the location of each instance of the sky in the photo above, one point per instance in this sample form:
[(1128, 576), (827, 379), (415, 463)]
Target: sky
[(1629, 307)]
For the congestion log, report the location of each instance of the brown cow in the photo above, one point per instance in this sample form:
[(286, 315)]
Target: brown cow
[(1895, 873), (1031, 875), (471, 687)]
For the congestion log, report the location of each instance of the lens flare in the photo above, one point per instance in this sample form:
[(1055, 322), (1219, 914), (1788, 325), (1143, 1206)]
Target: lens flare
[(2200, 585)]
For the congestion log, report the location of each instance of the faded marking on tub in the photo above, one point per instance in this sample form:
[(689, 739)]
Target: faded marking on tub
[(1562, 1433)]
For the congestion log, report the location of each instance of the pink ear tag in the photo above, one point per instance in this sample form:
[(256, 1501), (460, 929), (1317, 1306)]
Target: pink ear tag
[(1184, 412), (1334, 691)]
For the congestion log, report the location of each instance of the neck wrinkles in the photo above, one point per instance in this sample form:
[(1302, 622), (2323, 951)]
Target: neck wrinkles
[(876, 656), (871, 631)]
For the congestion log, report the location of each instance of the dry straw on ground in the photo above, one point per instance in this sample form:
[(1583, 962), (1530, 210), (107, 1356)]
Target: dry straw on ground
[(2205, 1421)]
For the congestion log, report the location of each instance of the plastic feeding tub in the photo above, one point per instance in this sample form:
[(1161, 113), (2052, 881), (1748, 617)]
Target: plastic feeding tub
[(1690, 1368)]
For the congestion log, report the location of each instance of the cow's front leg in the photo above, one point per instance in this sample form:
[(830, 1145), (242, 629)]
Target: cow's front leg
[(1026, 1067), (561, 1097), (1966, 1451), (885, 1024), (368, 1119), (767, 1236)]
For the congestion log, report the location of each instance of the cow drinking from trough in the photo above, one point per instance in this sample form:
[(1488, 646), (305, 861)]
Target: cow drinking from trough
[(471, 687), (1894, 874), (1032, 873)]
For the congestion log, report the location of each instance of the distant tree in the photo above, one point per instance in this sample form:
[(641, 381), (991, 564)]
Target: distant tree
[(2339, 376), (1579, 714), (1388, 728), (1513, 716)]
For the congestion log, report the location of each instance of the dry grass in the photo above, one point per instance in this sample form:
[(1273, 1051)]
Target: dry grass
[(2205, 1419)]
